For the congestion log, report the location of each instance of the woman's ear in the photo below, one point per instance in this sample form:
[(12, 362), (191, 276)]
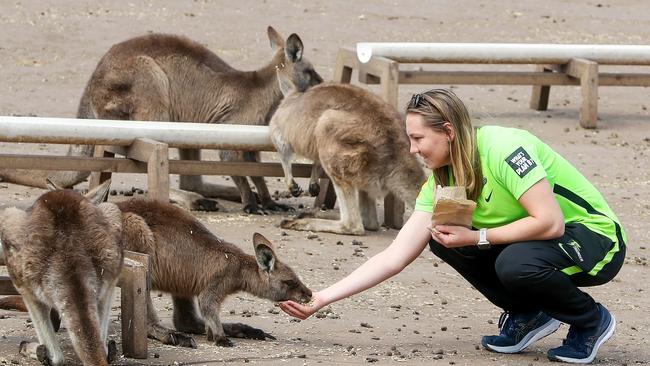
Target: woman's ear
[(449, 130)]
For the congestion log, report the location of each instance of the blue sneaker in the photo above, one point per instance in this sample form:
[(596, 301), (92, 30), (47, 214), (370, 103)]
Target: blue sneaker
[(582, 344), (519, 331)]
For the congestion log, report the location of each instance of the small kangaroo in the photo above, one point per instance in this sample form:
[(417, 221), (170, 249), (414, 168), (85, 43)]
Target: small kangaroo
[(359, 141), (191, 263), (160, 77), (64, 253)]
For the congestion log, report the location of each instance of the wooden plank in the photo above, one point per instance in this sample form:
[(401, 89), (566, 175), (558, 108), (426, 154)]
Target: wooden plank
[(97, 178), (122, 165), (71, 163), (191, 167), (485, 78), (623, 79), (157, 171), (7, 287), (134, 294), (540, 94), (346, 59), (587, 72)]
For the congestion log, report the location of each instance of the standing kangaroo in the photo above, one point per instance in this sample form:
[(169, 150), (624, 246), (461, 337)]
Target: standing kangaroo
[(191, 263), (162, 77), (359, 141), (64, 253)]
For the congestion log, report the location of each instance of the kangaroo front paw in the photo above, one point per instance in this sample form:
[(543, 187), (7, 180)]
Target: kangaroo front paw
[(223, 341), (219, 340), (240, 330), (179, 339)]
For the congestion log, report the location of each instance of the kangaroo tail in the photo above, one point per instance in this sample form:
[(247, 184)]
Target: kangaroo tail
[(83, 324)]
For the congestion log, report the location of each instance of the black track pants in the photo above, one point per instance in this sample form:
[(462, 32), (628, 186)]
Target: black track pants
[(528, 276)]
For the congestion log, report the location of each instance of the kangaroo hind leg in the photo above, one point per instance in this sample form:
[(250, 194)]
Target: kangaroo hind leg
[(39, 312), (351, 222)]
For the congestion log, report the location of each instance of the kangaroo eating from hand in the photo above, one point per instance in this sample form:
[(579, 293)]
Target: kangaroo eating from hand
[(64, 253), (191, 263), (160, 77), (359, 141)]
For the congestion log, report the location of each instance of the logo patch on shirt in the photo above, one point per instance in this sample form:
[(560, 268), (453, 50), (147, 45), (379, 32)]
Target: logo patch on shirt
[(521, 162)]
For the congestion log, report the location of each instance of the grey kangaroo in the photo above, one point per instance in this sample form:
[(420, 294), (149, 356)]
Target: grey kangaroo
[(163, 77), (191, 263), (359, 141), (65, 253)]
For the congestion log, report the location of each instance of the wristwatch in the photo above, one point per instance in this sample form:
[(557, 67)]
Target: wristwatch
[(483, 243)]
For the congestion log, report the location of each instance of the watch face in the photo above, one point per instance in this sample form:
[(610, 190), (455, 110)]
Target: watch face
[(483, 245)]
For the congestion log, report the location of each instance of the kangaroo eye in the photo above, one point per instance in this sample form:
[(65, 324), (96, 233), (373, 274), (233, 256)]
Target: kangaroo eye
[(290, 283)]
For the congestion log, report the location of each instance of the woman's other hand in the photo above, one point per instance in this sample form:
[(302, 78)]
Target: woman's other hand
[(302, 311), (454, 236)]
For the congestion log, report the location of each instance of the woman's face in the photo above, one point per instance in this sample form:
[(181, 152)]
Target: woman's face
[(432, 145)]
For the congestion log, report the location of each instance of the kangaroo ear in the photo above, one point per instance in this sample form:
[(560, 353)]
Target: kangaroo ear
[(286, 84), (12, 231), (276, 39), (293, 49), (99, 194), (264, 252), (51, 185)]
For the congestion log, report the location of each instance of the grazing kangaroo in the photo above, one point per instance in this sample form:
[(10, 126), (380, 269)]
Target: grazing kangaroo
[(64, 253), (359, 141), (190, 262), (162, 77)]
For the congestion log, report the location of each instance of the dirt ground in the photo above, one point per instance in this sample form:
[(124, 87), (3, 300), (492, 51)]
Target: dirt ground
[(428, 314)]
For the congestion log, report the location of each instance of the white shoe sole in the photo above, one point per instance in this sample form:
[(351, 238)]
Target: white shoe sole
[(602, 339), (533, 336)]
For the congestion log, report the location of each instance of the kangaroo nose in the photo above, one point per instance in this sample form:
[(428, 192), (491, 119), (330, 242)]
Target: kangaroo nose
[(307, 295)]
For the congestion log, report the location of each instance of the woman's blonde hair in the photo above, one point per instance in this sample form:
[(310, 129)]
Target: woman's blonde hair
[(438, 106)]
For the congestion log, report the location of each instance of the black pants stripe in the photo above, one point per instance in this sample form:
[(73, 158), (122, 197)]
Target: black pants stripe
[(527, 276)]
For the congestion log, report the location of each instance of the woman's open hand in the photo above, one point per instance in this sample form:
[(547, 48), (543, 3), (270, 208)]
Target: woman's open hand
[(454, 236), (302, 311)]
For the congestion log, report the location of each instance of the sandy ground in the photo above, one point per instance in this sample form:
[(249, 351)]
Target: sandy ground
[(428, 314)]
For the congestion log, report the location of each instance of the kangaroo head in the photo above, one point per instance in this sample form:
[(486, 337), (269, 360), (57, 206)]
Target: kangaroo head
[(294, 72), (283, 283)]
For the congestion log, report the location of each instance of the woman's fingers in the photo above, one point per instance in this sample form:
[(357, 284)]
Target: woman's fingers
[(294, 309)]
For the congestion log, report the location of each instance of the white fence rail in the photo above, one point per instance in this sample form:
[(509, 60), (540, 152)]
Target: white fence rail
[(503, 53), (123, 133)]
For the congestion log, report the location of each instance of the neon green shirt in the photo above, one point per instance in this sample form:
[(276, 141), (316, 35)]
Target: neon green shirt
[(512, 161)]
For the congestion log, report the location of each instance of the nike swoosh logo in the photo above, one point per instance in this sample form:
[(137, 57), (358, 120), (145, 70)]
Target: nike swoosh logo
[(487, 199)]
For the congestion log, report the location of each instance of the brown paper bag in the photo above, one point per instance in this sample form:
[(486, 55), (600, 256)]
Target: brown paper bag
[(452, 207)]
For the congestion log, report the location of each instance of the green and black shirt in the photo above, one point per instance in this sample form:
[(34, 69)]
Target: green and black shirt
[(512, 161)]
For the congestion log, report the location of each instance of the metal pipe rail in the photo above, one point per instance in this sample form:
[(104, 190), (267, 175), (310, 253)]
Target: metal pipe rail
[(123, 133), (504, 53)]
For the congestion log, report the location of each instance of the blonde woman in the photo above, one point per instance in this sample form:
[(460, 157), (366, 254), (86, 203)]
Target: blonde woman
[(540, 231)]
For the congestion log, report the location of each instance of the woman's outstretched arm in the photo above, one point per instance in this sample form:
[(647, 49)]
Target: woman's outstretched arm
[(409, 243)]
